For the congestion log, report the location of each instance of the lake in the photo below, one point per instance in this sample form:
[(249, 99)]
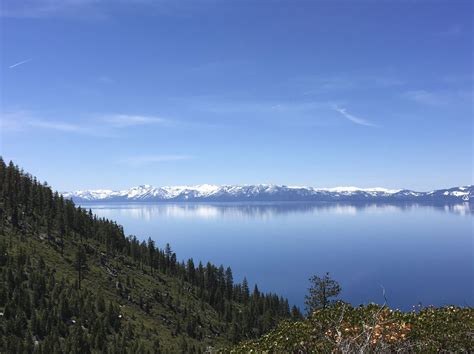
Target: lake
[(417, 254)]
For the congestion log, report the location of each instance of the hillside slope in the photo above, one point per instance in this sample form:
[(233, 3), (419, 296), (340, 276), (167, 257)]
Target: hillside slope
[(71, 282)]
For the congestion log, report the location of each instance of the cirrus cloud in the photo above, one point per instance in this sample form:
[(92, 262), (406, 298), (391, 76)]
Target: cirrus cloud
[(353, 118), (93, 125), (127, 120)]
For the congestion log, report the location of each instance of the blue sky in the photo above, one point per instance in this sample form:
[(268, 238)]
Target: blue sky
[(111, 94)]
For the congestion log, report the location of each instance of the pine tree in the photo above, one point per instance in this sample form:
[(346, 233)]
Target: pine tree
[(320, 293), (296, 313), (191, 270), (151, 253), (229, 283), (245, 291), (80, 263)]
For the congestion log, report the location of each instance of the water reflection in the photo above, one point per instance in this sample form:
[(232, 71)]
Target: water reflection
[(147, 211), (407, 248)]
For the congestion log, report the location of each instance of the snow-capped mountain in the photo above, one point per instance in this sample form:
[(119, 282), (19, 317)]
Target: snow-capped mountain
[(264, 193)]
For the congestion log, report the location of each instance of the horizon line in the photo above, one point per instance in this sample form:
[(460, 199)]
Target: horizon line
[(194, 186)]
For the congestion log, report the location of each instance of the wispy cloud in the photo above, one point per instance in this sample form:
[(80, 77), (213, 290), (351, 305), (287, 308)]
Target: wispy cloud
[(126, 120), (439, 98), (66, 127), (23, 120), (93, 125), (152, 159), (326, 84), (353, 118), (424, 97), (229, 106), (20, 63), (60, 126), (291, 113)]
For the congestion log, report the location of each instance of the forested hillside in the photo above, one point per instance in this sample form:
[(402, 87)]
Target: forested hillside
[(72, 282)]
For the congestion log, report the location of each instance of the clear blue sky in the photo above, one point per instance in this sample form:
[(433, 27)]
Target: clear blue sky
[(111, 94)]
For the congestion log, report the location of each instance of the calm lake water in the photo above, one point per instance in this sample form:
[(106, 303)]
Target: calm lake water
[(418, 254)]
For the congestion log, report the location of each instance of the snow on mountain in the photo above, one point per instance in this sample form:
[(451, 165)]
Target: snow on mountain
[(264, 192), (372, 191)]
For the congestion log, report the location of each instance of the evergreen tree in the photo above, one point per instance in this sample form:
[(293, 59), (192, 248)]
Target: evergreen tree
[(245, 291), (296, 313), (80, 263), (229, 283), (321, 292)]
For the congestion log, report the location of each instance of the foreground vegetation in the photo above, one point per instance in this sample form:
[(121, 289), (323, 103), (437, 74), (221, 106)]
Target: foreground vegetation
[(334, 326), (342, 328), (72, 282)]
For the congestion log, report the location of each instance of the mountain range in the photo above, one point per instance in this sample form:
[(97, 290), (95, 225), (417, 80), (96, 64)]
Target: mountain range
[(270, 193)]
